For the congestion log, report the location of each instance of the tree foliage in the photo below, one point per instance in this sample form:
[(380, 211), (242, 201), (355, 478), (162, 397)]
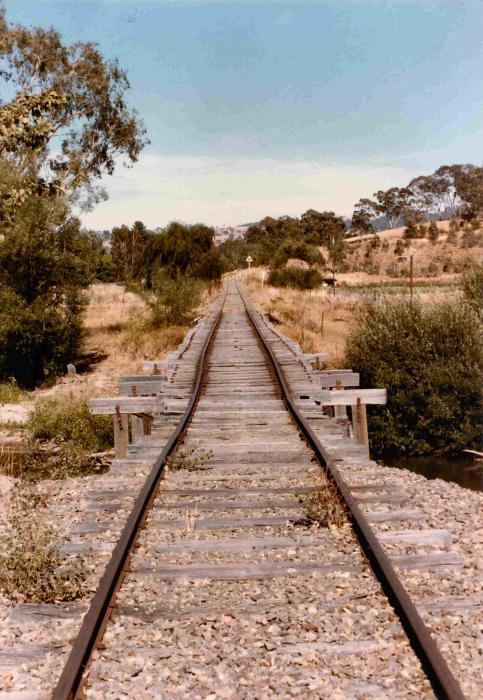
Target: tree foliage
[(428, 358), (273, 241), (45, 261), (67, 93), (295, 278), (394, 203), (233, 254), (186, 250), (362, 218), (176, 299), (127, 251)]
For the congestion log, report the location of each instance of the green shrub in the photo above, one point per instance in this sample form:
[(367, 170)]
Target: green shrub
[(10, 392), (45, 261), (433, 232), (411, 231), (32, 568), (428, 358), (472, 285), (36, 339), (399, 249), (176, 299), (106, 270), (295, 277), (68, 420), (20, 339)]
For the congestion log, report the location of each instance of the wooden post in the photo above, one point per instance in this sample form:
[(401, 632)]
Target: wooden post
[(359, 424), (121, 434), (339, 411), (147, 425), (137, 425)]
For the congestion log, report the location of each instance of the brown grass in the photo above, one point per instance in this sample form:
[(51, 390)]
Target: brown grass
[(316, 319), (324, 507), (432, 261), (32, 567), (118, 337)]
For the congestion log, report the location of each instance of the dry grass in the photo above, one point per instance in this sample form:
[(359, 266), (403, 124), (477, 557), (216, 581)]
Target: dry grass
[(324, 507), (10, 392), (32, 567), (118, 337), (110, 306), (117, 323), (10, 460), (440, 261), (316, 319), (192, 459)]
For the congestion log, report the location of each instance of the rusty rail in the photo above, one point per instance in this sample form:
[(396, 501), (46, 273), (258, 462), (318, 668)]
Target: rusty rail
[(97, 616), (444, 683)]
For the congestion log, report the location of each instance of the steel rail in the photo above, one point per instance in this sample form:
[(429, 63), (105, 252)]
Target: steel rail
[(70, 681), (444, 683)]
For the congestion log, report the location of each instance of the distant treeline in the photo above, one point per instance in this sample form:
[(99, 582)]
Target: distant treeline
[(452, 190), (272, 242), (137, 254)]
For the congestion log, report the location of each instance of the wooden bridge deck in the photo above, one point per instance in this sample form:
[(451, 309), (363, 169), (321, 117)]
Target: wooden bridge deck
[(230, 593)]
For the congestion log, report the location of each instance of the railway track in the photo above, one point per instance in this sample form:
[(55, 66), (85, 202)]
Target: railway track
[(221, 586)]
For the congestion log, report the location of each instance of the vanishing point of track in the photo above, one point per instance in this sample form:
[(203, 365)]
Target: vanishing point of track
[(216, 567)]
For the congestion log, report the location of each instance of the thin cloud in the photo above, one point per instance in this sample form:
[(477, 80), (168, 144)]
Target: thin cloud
[(221, 191)]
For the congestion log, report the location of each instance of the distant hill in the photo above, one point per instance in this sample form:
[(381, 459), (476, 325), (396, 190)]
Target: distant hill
[(387, 255)]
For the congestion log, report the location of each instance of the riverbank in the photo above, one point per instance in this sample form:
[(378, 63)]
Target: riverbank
[(463, 470)]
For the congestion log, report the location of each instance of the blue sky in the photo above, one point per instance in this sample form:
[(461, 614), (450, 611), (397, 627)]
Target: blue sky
[(267, 107)]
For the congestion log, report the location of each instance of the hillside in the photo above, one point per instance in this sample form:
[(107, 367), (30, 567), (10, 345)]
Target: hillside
[(386, 256)]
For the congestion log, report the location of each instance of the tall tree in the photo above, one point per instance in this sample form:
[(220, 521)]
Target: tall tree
[(326, 229), (468, 183), (362, 217), (322, 228), (70, 94), (64, 126), (127, 247), (394, 203), (185, 250)]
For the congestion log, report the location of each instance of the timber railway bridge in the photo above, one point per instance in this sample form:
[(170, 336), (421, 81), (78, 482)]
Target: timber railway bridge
[(219, 585)]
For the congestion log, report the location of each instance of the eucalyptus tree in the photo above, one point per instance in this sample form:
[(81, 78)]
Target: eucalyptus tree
[(395, 204), (66, 122)]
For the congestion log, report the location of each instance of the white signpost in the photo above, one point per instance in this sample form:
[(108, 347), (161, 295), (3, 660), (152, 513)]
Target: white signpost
[(249, 261)]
